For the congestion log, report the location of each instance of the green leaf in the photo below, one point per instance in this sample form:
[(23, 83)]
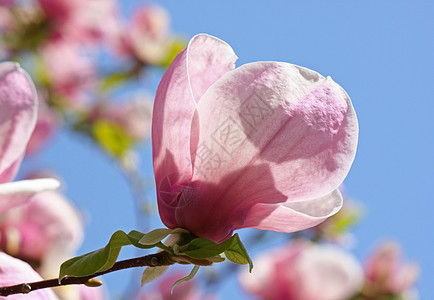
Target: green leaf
[(175, 46), (102, 259), (158, 235), (112, 138), (233, 248), (237, 253), (152, 273), (186, 278), (205, 248), (114, 80)]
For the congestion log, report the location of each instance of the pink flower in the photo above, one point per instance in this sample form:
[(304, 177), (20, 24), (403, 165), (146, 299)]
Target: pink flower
[(304, 271), (92, 293), (46, 124), (46, 228), (133, 116), (88, 21), (386, 273), (14, 271), (69, 70), (264, 146), (94, 21), (18, 108), (60, 10), (147, 35), (185, 291)]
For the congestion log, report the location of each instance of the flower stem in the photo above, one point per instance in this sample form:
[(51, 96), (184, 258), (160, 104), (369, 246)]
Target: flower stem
[(153, 260)]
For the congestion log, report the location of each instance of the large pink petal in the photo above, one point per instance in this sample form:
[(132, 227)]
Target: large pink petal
[(17, 114), (14, 271), (19, 192), (197, 67), (293, 216), (293, 119), (9, 174)]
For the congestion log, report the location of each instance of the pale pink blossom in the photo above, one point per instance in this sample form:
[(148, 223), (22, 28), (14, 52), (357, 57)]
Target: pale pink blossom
[(94, 21), (60, 10), (45, 228), (146, 37), (133, 116), (387, 273), (46, 124), (18, 109), (265, 145), (186, 291), (6, 2), (68, 68), (92, 293), (82, 21), (14, 271), (304, 271)]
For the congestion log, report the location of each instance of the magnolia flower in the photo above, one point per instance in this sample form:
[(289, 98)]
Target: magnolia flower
[(387, 274), (14, 271), (133, 116), (147, 35), (304, 271), (88, 21), (265, 145), (186, 291), (18, 107), (69, 70), (91, 293), (48, 229), (46, 124)]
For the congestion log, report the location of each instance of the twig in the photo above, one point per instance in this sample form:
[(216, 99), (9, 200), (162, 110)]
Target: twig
[(152, 260)]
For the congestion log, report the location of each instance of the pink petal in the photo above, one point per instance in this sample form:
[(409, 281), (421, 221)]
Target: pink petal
[(304, 271), (205, 60), (17, 114), (14, 271), (19, 192), (293, 216), (9, 174), (301, 124)]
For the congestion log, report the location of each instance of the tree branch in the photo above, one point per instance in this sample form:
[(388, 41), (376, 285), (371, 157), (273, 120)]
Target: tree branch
[(153, 260)]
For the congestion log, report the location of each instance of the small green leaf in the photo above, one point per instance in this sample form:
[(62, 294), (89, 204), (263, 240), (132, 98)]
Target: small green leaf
[(114, 80), (175, 46), (158, 235), (186, 278), (205, 248), (112, 138), (152, 273), (102, 259), (237, 253)]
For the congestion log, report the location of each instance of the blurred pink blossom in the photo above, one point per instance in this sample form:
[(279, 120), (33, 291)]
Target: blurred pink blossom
[(6, 2), (69, 69), (304, 271), (18, 109), (92, 293), (6, 19), (48, 229), (186, 291), (94, 21), (47, 122), (146, 37), (134, 116), (82, 21), (386, 272), (14, 271), (265, 145)]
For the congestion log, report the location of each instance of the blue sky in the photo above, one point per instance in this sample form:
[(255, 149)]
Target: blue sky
[(381, 52)]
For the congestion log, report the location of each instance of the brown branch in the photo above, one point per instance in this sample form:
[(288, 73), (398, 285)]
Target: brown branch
[(152, 260)]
